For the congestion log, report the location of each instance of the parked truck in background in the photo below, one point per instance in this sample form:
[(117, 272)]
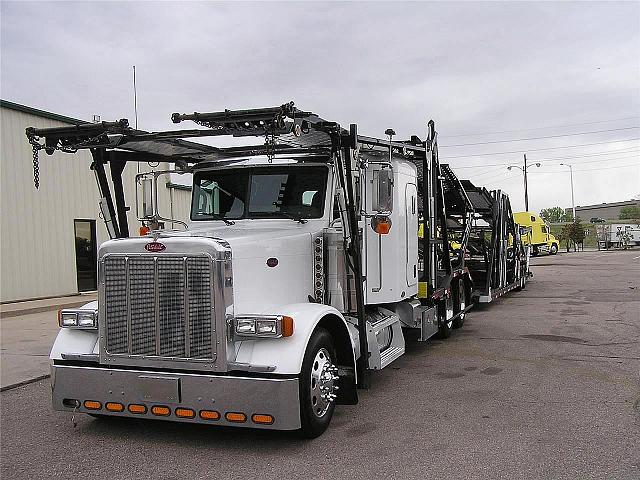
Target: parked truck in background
[(540, 238), (298, 271), (617, 235)]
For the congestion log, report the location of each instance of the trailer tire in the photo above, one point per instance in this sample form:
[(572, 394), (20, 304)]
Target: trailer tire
[(553, 249), (460, 304), (319, 358)]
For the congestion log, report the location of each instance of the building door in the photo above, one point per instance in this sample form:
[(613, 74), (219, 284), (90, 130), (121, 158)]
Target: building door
[(86, 264)]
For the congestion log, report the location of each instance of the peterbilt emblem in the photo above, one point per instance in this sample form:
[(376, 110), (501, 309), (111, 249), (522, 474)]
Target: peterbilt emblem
[(155, 247)]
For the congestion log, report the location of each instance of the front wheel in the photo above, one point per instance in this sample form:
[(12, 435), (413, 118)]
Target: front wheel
[(317, 383), (553, 249)]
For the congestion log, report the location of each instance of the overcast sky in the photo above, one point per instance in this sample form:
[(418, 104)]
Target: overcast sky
[(500, 71)]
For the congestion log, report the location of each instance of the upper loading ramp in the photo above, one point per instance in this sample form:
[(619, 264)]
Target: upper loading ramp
[(455, 196), (479, 197)]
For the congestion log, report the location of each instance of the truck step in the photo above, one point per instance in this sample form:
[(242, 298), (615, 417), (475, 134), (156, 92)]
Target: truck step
[(385, 338), (390, 354)]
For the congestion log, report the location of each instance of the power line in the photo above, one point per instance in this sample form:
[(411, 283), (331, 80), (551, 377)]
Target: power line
[(542, 128), (601, 160), (594, 154), (545, 160), (537, 138), (591, 169), (541, 149), (502, 177), (597, 154)]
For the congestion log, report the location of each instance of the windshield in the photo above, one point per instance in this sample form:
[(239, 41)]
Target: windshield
[(260, 192)]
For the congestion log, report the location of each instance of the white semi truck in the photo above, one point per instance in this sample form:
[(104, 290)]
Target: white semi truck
[(295, 277)]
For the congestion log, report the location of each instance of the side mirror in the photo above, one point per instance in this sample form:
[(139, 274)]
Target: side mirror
[(382, 198), (147, 198)]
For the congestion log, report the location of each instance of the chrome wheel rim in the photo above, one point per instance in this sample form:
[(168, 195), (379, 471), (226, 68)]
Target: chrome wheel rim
[(324, 376)]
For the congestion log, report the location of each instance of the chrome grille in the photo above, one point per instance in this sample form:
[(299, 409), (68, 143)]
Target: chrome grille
[(159, 306)]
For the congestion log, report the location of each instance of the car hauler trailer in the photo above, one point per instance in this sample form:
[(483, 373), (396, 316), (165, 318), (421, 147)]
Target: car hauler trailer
[(297, 273), (497, 258)]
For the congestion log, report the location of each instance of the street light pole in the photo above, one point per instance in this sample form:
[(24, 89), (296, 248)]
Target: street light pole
[(573, 203), (526, 193)]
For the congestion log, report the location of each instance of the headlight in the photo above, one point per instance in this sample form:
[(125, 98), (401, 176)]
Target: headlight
[(245, 326), (84, 319), (264, 326)]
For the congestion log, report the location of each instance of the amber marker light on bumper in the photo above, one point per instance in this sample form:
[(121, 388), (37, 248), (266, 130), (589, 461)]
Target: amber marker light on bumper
[(185, 413), (137, 408), (161, 410), (262, 419), (92, 405), (114, 407), (209, 415), (236, 417)]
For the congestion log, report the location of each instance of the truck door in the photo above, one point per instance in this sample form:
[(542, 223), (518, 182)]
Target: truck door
[(411, 234)]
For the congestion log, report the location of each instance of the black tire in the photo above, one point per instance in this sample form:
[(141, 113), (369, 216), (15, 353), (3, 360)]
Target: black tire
[(553, 249), (312, 424), (460, 304), (534, 252)]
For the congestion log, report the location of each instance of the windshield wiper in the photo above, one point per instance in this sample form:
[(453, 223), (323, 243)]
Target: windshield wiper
[(293, 217), (215, 216)]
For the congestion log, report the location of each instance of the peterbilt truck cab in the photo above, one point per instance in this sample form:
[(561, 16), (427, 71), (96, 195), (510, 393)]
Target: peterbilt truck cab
[(292, 280)]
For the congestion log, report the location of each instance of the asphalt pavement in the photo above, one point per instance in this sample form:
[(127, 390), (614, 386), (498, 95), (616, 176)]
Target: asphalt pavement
[(27, 331), (544, 383)]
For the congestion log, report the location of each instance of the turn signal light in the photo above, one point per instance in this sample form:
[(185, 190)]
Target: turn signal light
[(185, 413), (287, 326), (136, 408), (235, 417), (92, 405), (114, 407), (161, 411), (381, 224), (209, 415), (263, 419), (144, 230)]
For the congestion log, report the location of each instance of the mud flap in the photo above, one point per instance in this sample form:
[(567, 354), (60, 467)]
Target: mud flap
[(347, 390)]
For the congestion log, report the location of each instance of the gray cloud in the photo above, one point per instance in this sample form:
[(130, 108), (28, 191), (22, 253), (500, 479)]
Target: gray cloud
[(473, 67)]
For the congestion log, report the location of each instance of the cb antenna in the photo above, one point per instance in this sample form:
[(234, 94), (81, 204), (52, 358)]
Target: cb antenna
[(135, 97)]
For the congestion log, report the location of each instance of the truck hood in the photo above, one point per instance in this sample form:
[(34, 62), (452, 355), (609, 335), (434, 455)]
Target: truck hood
[(259, 286), (257, 238)]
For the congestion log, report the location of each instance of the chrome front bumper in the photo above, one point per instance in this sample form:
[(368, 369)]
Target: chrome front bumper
[(73, 385)]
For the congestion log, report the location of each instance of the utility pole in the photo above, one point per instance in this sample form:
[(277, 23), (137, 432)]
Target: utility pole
[(524, 171), (573, 202), (526, 193)]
